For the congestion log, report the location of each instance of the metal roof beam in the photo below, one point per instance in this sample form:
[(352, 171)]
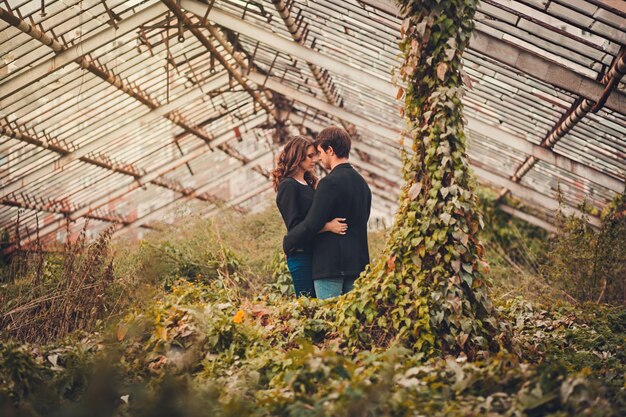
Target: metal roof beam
[(325, 83), (528, 218), (495, 133), (109, 196), (131, 125), (52, 145), (208, 44), (545, 70), (533, 65), (58, 207), (117, 82), (274, 84), (79, 50), (200, 190), (544, 154), (517, 189), (293, 48), (575, 114), (531, 195)]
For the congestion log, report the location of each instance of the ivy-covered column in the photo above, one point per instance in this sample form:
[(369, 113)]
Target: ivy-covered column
[(426, 291)]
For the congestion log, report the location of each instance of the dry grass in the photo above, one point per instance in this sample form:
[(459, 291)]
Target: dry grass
[(53, 296)]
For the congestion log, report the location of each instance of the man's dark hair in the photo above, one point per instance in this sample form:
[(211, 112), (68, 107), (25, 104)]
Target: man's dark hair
[(337, 138)]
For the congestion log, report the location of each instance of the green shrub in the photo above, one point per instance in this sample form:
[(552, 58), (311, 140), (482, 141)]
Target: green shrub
[(590, 264)]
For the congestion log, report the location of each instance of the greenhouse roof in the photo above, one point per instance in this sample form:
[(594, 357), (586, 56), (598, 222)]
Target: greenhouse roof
[(116, 111)]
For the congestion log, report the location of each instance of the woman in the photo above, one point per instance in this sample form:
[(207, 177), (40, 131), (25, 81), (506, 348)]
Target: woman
[(295, 182)]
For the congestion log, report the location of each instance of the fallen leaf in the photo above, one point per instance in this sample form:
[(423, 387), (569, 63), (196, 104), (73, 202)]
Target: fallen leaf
[(161, 332), (122, 329)]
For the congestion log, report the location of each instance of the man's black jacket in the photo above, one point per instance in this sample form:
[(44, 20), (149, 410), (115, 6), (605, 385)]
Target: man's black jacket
[(342, 193)]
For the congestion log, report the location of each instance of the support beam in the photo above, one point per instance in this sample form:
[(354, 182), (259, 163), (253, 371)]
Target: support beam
[(518, 190), (387, 6), (324, 83), (82, 61), (117, 82), (576, 113), (157, 213), (545, 70), (532, 64), (79, 50), (525, 61), (237, 55), (547, 155), (293, 48), (483, 128), (57, 207), (126, 128), (127, 169), (208, 44), (528, 218), (275, 85), (531, 195), (107, 196), (616, 6)]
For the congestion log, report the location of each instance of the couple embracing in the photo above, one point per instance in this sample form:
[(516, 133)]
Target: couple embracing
[(326, 243)]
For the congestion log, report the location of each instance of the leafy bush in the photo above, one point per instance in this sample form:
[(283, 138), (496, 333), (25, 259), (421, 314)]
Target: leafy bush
[(589, 264)]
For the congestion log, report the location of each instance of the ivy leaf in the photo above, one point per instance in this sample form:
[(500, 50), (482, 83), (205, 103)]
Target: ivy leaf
[(467, 278), (400, 93), (438, 317), (414, 46), (450, 53), (463, 338), (456, 265), (461, 236), (420, 28), (391, 263), (415, 190), (467, 80), (442, 69), (417, 260)]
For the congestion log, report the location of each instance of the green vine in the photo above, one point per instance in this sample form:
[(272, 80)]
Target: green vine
[(426, 291)]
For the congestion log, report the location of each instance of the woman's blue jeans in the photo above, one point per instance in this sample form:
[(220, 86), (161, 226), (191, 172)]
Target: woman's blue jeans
[(300, 266)]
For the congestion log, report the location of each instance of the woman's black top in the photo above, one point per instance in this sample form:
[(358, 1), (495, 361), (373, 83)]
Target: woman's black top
[(294, 201)]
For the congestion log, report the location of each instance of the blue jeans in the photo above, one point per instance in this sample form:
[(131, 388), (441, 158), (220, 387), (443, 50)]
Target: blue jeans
[(299, 265), (333, 287)]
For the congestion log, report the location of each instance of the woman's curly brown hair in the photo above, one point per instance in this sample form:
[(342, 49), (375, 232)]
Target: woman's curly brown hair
[(290, 158)]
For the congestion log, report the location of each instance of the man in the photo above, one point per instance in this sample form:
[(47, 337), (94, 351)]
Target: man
[(337, 259)]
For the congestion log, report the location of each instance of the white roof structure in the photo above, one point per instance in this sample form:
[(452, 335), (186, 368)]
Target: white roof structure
[(116, 111)]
